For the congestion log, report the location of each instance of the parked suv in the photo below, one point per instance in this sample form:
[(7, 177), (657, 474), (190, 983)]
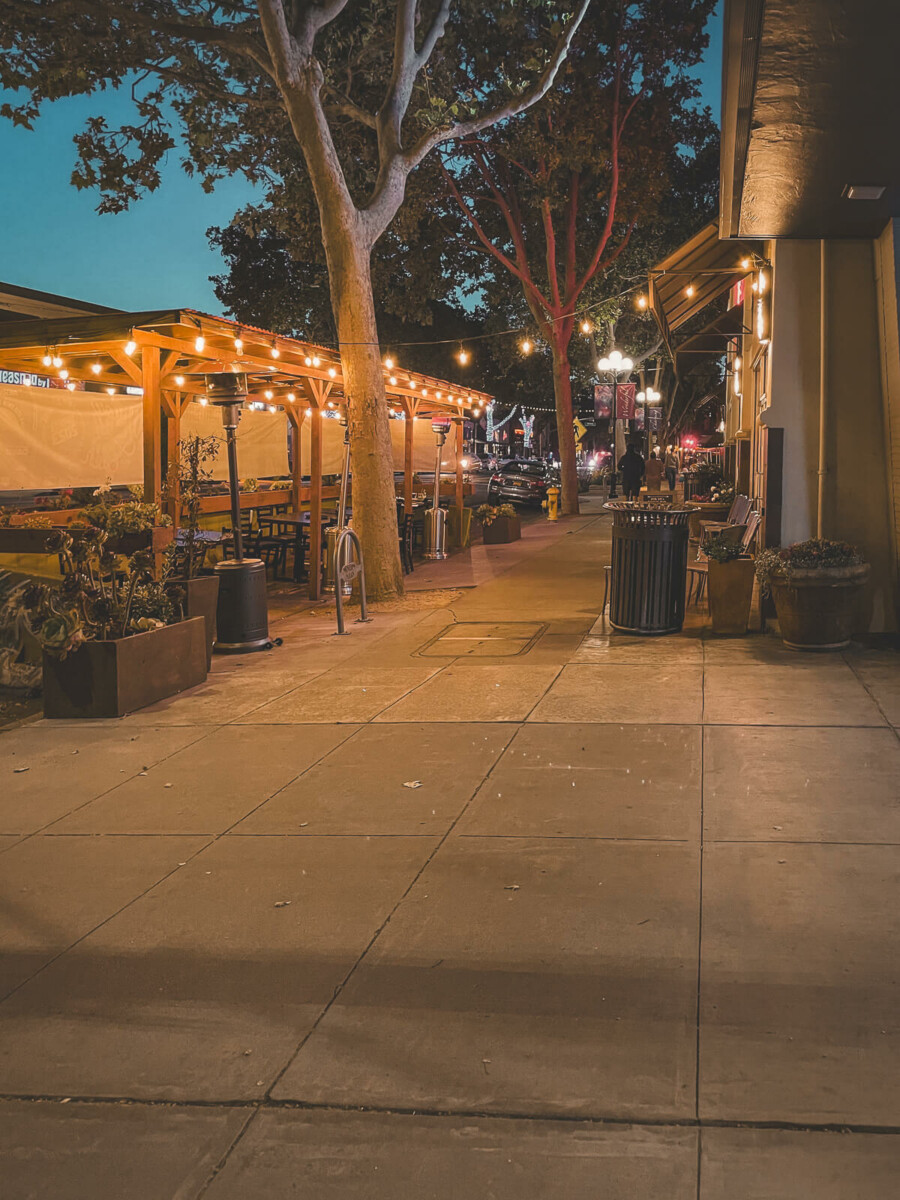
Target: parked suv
[(521, 482)]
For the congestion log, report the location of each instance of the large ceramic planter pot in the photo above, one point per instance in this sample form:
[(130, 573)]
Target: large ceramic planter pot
[(201, 595), (110, 679), (502, 530), (705, 510), (730, 594), (818, 609)]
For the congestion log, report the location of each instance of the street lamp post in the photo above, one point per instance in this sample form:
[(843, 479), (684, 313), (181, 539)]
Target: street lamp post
[(614, 366), (648, 398)]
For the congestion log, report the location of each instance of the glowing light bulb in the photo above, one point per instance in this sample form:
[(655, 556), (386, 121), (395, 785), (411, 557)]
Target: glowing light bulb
[(309, 412), (130, 348), (308, 361), (585, 327), (737, 362), (57, 361), (64, 374), (316, 360), (47, 360), (615, 358), (463, 357), (745, 263), (393, 381), (96, 368), (199, 343), (275, 352), (331, 404), (110, 391), (424, 391), (269, 395), (291, 397), (203, 401), (389, 364), (239, 344), (689, 290), (642, 301), (179, 381), (272, 408), (437, 395), (71, 386), (332, 372), (526, 346)]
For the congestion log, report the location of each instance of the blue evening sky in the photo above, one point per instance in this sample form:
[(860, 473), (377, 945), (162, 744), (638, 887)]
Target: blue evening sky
[(155, 255)]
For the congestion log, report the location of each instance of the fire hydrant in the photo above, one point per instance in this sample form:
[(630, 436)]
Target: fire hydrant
[(551, 504)]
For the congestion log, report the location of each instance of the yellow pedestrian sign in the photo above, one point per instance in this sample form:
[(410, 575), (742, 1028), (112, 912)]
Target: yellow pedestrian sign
[(580, 430)]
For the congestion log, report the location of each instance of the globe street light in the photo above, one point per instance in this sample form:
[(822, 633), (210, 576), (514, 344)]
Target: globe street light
[(649, 397), (614, 366)]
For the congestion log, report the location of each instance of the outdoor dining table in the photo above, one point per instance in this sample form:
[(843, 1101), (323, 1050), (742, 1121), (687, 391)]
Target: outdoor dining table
[(298, 522)]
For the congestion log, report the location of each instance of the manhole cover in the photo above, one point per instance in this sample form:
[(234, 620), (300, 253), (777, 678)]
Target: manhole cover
[(483, 639)]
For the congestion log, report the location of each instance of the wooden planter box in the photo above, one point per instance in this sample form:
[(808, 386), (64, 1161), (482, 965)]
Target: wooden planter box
[(502, 530), (201, 595), (730, 595), (110, 679), (818, 609)]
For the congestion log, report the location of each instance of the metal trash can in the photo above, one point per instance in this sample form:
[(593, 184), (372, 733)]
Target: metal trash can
[(649, 566)]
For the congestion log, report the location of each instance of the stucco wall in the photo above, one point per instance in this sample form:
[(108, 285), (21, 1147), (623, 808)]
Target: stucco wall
[(887, 280)]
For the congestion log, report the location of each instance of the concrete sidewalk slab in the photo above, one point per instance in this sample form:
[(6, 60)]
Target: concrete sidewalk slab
[(780, 1164), (799, 986), (389, 779), (56, 890), (476, 693), (203, 989), (824, 692), (645, 783), (371, 1156), (343, 695), (819, 785), (523, 976), (672, 695), (211, 784), (101, 1151)]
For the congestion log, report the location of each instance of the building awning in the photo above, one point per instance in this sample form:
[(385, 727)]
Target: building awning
[(696, 274), (712, 340)]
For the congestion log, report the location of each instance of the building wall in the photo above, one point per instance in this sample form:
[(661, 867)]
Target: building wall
[(862, 479)]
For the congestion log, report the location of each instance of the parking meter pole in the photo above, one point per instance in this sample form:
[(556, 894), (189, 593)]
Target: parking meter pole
[(614, 466)]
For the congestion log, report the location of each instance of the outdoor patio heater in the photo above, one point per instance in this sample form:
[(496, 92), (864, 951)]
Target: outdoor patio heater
[(242, 616), (435, 517)]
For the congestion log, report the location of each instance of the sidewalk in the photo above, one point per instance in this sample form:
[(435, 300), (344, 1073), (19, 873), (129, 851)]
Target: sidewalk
[(480, 901)]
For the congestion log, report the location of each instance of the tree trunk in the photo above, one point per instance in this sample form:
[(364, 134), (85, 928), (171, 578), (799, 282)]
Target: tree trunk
[(562, 391), (371, 455)]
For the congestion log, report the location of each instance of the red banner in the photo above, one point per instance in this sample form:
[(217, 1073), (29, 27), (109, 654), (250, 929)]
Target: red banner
[(603, 398)]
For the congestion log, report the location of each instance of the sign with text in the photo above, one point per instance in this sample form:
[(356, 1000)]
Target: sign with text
[(603, 400)]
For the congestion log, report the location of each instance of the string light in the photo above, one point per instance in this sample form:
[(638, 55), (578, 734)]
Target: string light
[(332, 372), (309, 412), (269, 395), (239, 343), (393, 381), (526, 346), (642, 301), (130, 348), (275, 352), (689, 290), (331, 404), (745, 263), (203, 401), (179, 381), (316, 360), (57, 361), (71, 386), (199, 343), (96, 368), (389, 364), (291, 397), (47, 360), (585, 326), (308, 361), (463, 356), (64, 374), (110, 391)]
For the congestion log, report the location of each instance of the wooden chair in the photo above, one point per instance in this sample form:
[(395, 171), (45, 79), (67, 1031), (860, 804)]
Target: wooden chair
[(698, 571), (737, 515)]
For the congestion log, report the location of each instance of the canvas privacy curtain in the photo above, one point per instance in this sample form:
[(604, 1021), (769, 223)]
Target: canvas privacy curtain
[(54, 438), (262, 440), (333, 446)]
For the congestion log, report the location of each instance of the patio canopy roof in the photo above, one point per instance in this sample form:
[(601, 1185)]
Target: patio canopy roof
[(711, 341), (188, 345), (694, 275)]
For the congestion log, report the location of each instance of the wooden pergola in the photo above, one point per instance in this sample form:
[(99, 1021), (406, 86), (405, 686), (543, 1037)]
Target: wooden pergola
[(167, 353)]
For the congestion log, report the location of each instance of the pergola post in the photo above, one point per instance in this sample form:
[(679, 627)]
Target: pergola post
[(408, 431), (459, 476), (296, 421), (152, 423), (172, 402), (315, 505)]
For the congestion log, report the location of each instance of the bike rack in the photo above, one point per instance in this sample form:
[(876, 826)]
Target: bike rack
[(346, 572)]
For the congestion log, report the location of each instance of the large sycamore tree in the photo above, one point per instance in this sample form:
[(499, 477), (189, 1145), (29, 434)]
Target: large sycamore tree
[(387, 81), (556, 198)]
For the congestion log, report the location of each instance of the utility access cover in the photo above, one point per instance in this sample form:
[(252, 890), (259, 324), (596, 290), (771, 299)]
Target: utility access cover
[(483, 639)]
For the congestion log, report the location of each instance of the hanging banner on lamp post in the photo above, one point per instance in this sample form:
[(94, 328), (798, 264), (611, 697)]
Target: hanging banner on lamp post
[(625, 395)]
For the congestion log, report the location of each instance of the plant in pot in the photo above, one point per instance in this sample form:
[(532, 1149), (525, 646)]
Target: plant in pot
[(187, 482), (127, 523), (816, 586), (500, 524), (730, 580), (109, 632)]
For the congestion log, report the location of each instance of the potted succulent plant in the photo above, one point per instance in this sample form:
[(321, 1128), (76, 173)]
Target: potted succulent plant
[(110, 633), (500, 524), (730, 580), (186, 485), (816, 586)]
